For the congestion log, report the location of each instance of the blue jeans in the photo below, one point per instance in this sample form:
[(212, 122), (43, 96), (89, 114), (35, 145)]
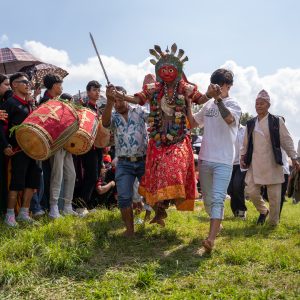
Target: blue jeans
[(126, 172), (214, 179)]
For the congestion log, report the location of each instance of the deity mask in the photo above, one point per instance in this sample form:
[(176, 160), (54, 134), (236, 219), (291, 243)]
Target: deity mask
[(168, 66), (168, 73)]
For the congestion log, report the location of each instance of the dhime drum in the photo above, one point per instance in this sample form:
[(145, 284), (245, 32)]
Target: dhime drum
[(82, 141), (47, 129)]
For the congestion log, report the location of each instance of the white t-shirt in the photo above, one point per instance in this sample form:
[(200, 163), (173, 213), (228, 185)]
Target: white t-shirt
[(218, 144)]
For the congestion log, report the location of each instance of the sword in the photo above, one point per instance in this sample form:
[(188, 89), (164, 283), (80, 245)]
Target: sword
[(102, 66)]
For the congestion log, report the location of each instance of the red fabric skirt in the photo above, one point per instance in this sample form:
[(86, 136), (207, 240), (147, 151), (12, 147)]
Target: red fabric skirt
[(170, 175)]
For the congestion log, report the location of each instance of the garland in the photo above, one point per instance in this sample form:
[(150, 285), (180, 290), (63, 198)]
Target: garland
[(176, 131)]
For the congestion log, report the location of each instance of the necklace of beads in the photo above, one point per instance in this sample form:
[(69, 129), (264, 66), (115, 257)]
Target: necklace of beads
[(172, 100), (177, 131)]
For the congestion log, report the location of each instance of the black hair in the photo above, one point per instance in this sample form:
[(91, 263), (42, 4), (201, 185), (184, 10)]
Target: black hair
[(121, 89), (2, 78), (7, 95), (93, 84), (17, 75), (50, 80), (221, 76), (66, 96)]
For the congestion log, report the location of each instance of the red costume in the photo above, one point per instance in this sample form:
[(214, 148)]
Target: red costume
[(170, 171)]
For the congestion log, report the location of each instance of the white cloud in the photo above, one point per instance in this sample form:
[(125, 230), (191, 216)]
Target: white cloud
[(48, 54), (3, 39), (283, 86)]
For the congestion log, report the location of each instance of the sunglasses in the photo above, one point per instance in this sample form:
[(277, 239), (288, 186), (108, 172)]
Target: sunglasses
[(24, 81)]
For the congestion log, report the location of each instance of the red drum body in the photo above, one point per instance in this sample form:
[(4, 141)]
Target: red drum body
[(82, 141), (47, 129)]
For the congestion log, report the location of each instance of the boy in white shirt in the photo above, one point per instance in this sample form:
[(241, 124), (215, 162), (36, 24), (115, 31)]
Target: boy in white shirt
[(220, 118)]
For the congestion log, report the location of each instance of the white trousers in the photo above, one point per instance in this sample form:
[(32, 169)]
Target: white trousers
[(62, 168)]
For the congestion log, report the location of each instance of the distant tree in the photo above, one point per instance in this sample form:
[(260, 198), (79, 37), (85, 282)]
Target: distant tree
[(245, 117), (197, 130)]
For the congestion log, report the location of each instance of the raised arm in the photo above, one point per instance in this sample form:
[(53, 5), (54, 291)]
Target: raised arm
[(224, 111), (117, 95), (106, 116)]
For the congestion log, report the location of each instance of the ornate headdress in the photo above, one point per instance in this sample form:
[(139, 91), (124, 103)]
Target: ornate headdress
[(167, 58)]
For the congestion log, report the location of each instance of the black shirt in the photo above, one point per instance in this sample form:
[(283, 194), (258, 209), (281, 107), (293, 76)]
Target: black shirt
[(91, 106), (45, 98), (17, 110)]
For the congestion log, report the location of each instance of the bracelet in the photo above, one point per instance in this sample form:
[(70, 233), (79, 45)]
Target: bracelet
[(218, 101), (206, 95)]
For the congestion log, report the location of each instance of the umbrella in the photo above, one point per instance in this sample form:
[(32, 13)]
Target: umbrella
[(38, 72), (13, 59)]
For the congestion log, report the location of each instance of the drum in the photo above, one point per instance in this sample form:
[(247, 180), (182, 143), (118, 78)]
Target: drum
[(47, 129), (82, 141), (104, 137)]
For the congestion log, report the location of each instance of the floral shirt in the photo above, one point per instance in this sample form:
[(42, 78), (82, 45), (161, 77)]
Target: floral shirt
[(131, 137)]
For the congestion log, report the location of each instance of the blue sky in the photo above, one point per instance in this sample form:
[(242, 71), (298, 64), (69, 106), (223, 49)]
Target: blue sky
[(260, 33), (258, 40)]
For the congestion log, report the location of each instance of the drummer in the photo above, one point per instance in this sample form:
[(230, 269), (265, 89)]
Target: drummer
[(62, 170), (25, 173), (53, 85), (92, 160)]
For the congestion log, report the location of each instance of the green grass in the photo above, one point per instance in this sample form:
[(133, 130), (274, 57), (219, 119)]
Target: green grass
[(88, 258)]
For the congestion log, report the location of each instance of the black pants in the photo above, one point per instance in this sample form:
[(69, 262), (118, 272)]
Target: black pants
[(3, 183), (236, 190), (25, 172), (283, 190), (91, 162), (46, 177)]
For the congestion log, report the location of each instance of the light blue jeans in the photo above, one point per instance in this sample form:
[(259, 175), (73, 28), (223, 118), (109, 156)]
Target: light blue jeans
[(214, 179)]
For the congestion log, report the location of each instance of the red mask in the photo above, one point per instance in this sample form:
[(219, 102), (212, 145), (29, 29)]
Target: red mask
[(168, 73)]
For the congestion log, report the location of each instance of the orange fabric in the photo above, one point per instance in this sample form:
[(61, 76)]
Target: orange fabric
[(170, 174)]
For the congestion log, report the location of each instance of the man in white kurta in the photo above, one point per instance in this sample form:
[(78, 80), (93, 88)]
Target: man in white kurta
[(263, 169)]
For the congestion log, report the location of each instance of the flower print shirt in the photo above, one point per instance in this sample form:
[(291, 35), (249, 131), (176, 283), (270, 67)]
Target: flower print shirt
[(130, 136)]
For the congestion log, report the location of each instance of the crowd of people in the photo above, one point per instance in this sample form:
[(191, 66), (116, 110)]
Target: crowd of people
[(151, 163)]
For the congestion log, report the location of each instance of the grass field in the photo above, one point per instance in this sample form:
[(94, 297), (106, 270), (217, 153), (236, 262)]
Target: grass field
[(88, 258)]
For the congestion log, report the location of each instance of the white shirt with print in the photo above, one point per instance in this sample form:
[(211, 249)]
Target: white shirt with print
[(218, 144)]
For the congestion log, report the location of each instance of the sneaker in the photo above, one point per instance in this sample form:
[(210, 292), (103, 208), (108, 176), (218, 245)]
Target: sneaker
[(24, 217), (262, 218), (241, 214), (82, 212), (138, 221), (10, 221), (38, 213), (68, 211), (54, 212)]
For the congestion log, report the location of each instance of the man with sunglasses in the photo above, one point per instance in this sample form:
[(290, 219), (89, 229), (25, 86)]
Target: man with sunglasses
[(25, 173)]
